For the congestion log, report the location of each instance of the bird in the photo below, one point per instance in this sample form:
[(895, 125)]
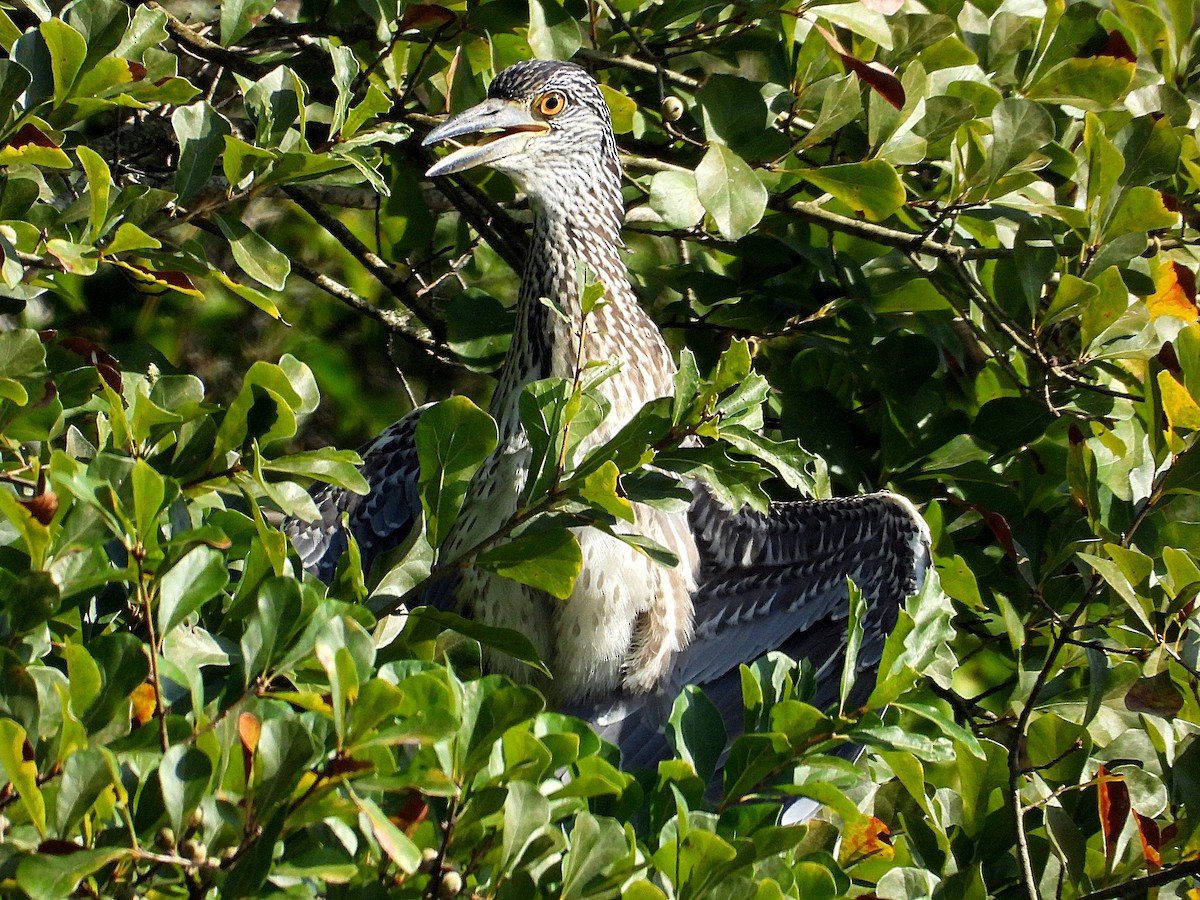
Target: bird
[(633, 632)]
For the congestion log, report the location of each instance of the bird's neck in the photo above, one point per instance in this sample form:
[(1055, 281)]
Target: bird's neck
[(575, 241)]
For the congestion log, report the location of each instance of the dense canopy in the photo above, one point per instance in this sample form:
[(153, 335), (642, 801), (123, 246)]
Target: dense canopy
[(947, 249)]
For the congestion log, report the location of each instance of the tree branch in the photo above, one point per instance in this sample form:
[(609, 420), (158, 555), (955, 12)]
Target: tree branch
[(1138, 887), (399, 285), (394, 322)]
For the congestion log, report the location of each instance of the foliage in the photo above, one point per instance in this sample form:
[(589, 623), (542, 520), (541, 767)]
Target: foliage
[(959, 240)]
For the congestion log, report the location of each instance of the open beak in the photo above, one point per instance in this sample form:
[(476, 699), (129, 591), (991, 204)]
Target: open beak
[(499, 128)]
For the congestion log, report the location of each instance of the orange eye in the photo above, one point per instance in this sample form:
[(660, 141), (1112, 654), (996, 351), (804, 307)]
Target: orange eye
[(551, 103)]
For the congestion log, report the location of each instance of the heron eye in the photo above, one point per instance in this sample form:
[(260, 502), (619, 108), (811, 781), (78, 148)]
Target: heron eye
[(551, 103)]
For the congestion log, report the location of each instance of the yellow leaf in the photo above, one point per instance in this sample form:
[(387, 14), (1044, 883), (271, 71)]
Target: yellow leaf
[(1174, 293)]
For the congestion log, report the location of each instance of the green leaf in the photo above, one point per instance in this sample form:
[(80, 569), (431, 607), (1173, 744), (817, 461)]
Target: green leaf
[(553, 32), (697, 731), (508, 641), (276, 102), (872, 188), (599, 490), (130, 237), (597, 845), (548, 560), (1093, 83), (239, 16), (673, 195), (526, 813), (184, 775), (453, 438), (198, 577), (45, 876), (854, 627), (395, 843), (14, 79), (85, 774), (201, 132), (257, 256), (255, 297), (621, 108), (68, 50), (730, 192), (735, 115), (1141, 209), (336, 467), (1019, 129)]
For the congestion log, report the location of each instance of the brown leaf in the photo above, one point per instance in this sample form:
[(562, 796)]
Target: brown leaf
[(29, 134), (345, 765), (411, 814), (42, 506), (56, 847), (1174, 293), (1118, 47), (1169, 359), (1114, 808), (136, 70)]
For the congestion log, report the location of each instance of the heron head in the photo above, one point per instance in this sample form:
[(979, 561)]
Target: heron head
[(540, 119)]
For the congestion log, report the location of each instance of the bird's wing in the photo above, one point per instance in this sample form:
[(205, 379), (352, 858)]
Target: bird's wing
[(379, 520), (777, 581)]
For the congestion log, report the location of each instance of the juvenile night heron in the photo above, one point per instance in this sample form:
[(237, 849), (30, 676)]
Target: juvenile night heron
[(633, 632)]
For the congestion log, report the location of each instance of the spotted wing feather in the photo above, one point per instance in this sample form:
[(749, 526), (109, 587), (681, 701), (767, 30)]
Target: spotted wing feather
[(777, 581), (381, 519)]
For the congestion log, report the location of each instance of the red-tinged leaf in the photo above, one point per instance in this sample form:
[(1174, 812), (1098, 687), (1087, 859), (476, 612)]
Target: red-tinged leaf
[(42, 507), (1118, 47), (144, 704), (1174, 293), (1151, 840), (1000, 528), (137, 71), (424, 17), (29, 135), (1114, 808), (874, 75), (47, 334), (1170, 202), (56, 847)]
